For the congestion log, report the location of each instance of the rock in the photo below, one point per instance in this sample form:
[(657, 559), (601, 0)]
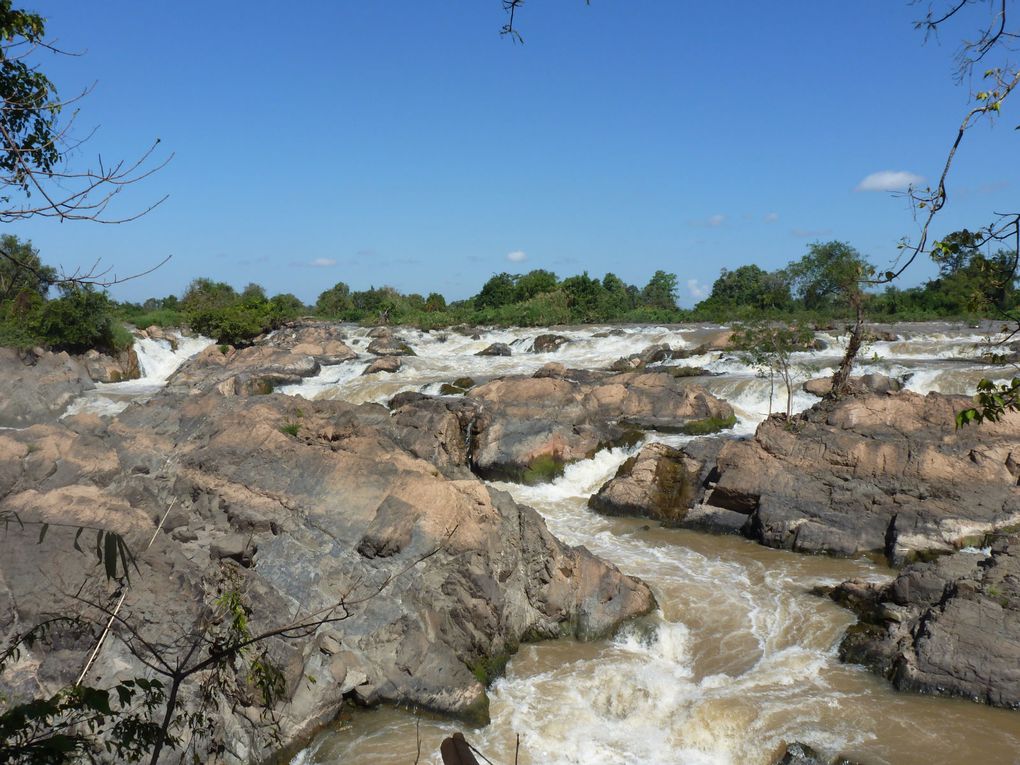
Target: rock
[(495, 349), (883, 474), (323, 341), (552, 369), (341, 510), (802, 754), (255, 370), (548, 343), (527, 429), (650, 355), (383, 364), (388, 345), (658, 482), (873, 383), (380, 332), (104, 368), (38, 386), (949, 627)]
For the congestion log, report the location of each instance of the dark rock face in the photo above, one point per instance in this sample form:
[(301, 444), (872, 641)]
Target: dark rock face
[(496, 349), (885, 474), (950, 627), (802, 754), (38, 385), (548, 343), (297, 504)]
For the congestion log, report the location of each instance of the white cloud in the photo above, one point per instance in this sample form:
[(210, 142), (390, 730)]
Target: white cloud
[(771, 217), (517, 256), (322, 263), (716, 220), (698, 290), (889, 180)]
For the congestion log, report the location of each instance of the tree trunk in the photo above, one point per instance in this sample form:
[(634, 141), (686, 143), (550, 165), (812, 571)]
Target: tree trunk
[(841, 380)]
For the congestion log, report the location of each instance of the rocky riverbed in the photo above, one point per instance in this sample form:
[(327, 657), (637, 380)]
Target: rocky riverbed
[(297, 480)]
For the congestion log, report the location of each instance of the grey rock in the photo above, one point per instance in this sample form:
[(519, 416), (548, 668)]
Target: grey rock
[(949, 627)]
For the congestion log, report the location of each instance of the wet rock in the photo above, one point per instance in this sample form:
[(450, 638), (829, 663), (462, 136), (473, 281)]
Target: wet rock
[(802, 754), (651, 355), (884, 474), (380, 332), (388, 345), (949, 627), (548, 343), (105, 368), (38, 386), (658, 482), (496, 349), (383, 364)]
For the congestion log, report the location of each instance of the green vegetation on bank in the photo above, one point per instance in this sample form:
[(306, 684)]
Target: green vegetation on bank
[(829, 283), (79, 319)]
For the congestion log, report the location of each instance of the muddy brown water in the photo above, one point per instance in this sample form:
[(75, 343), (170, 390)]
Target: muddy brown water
[(740, 658)]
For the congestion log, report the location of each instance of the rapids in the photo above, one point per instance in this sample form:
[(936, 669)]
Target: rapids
[(157, 360), (741, 657)]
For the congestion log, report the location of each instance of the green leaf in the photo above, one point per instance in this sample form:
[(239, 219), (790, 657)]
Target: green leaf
[(110, 556)]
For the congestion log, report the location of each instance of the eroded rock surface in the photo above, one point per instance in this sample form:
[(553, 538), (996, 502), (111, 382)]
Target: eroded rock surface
[(298, 505), (38, 385), (527, 428), (949, 627), (884, 474)]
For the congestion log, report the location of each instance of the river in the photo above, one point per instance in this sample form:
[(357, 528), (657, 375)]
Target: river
[(741, 657)]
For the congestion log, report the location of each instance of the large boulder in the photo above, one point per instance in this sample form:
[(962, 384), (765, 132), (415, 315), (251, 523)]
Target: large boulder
[(104, 368), (323, 341), (495, 349), (258, 369), (38, 386), (548, 343), (882, 474), (429, 581), (949, 627), (389, 364), (389, 345), (658, 482), (528, 428)]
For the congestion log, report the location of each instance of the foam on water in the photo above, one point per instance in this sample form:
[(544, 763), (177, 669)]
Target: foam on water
[(740, 658), (157, 360)]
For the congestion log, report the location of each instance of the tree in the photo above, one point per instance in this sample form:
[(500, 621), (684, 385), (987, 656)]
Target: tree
[(335, 302), (31, 276), (768, 347), (749, 287), (661, 291), (534, 283), (36, 179), (583, 296), (498, 291)]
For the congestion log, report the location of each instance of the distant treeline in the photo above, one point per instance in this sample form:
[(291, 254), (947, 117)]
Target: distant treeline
[(971, 283)]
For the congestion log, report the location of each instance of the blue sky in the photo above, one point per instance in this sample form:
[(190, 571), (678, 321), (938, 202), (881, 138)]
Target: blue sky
[(407, 144)]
